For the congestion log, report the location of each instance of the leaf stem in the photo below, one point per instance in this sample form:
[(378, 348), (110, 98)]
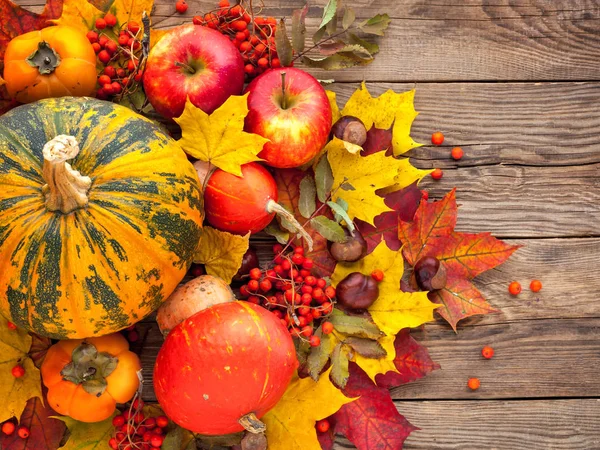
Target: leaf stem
[(322, 41)]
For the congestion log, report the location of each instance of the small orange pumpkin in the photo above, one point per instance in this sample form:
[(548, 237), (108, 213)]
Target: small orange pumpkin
[(87, 378), (52, 62)]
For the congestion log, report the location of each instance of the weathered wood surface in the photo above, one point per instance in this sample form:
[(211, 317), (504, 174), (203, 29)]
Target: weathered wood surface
[(517, 85)]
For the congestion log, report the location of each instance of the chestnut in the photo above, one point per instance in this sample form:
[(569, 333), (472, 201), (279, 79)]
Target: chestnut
[(357, 291), (430, 274), (249, 262), (353, 249), (350, 129)]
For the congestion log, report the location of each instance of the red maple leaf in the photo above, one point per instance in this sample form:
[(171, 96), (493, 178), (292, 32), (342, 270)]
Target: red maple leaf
[(288, 189), (464, 256), (404, 204), (377, 140), (412, 362), (45, 432), (371, 422)]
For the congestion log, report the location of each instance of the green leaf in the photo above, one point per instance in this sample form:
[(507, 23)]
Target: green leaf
[(371, 47), (329, 229), (376, 25), (319, 355), (323, 179), (319, 35), (303, 348), (339, 365), (354, 325), (336, 62), (299, 29), (356, 50), (349, 18), (274, 230), (173, 439), (331, 27), (283, 45), (328, 12), (366, 347), (88, 436), (307, 203), (339, 211)]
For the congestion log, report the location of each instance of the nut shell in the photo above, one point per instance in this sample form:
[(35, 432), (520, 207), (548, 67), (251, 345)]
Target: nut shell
[(354, 249), (357, 291), (430, 274), (350, 129)]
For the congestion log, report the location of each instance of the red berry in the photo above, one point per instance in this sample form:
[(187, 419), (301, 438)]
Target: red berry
[(474, 383), (198, 20), (310, 280), (314, 341), (253, 285), (437, 138), (316, 313), (131, 66), (514, 288), (306, 299), (487, 352), (238, 25), (323, 426), (224, 4), (263, 63), (18, 371), (118, 421), (110, 20), (11, 326), (286, 265), (457, 153), (535, 286), (327, 307), (23, 432), (277, 248), (104, 56), (377, 275), (275, 63), (8, 428), (181, 6), (104, 79), (437, 174), (425, 195), (150, 423), (139, 417), (147, 436), (110, 71), (157, 439), (255, 273), (96, 47), (112, 443), (158, 430), (330, 292), (299, 250), (308, 264), (317, 293), (92, 36), (162, 421), (100, 23), (123, 40), (327, 327), (249, 69), (138, 76), (120, 436), (254, 299), (265, 285), (103, 40), (321, 283), (133, 27), (297, 258), (121, 74)]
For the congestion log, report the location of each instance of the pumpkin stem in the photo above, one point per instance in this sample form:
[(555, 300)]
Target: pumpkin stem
[(89, 368), (44, 59), (66, 189), (274, 207), (251, 423)]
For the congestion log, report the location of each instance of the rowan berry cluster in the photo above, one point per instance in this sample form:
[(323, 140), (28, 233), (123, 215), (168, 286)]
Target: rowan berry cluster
[(293, 294), (119, 57), (9, 427), (135, 431), (254, 36)]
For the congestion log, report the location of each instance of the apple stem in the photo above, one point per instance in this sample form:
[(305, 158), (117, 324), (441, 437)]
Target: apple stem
[(187, 67), (284, 103), (274, 207)]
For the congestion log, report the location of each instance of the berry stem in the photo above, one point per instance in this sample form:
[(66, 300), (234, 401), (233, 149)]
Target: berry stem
[(284, 103)]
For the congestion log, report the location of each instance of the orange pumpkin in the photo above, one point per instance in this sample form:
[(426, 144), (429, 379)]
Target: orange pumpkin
[(52, 62), (87, 378)]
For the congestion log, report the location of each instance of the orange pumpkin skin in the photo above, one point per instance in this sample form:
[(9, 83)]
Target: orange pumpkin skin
[(75, 74), (70, 399), (221, 364)]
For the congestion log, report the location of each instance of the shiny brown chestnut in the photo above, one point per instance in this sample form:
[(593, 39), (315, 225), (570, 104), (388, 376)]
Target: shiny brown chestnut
[(350, 129), (430, 274), (357, 291), (353, 249)]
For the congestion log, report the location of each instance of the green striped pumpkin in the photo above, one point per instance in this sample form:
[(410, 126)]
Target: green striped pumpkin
[(86, 257)]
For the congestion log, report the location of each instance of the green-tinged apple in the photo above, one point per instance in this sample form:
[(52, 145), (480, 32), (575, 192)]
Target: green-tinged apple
[(196, 62), (291, 109)]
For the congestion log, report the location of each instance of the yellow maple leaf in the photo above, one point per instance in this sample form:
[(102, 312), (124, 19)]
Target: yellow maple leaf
[(372, 366), (88, 436), (220, 138), (14, 392), (390, 108), (79, 14), (221, 252), (291, 424), (335, 110), (128, 10)]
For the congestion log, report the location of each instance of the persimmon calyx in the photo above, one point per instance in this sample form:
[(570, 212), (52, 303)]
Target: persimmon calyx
[(90, 368), (44, 59)]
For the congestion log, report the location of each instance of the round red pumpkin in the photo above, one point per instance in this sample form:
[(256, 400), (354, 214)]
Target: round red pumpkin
[(222, 364)]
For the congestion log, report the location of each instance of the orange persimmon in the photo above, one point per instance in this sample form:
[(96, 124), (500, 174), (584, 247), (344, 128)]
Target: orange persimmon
[(53, 62), (87, 378)]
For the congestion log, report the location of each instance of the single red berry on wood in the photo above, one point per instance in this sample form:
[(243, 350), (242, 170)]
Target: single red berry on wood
[(327, 327), (18, 371), (514, 288), (23, 432), (323, 426), (437, 138), (314, 341), (456, 153), (425, 195), (437, 174), (377, 275), (473, 383), (8, 428), (487, 352), (181, 6), (535, 286)]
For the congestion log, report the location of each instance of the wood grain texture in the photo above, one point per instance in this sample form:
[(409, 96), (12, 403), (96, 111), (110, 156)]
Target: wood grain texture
[(501, 425)]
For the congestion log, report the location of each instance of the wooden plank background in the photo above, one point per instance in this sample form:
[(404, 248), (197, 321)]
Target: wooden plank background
[(516, 83)]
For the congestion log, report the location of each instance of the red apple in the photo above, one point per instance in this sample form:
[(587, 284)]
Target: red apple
[(296, 119), (196, 62)]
